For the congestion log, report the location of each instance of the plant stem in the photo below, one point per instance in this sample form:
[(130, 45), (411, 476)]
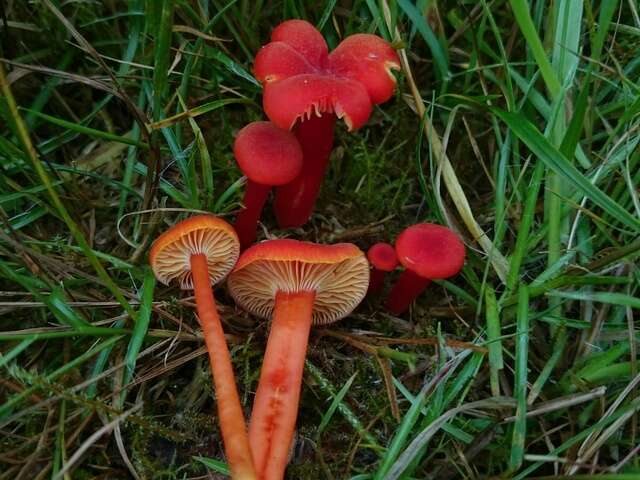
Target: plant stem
[(275, 407), (232, 425)]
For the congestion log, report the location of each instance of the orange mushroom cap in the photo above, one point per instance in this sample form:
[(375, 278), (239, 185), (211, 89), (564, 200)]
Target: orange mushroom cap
[(170, 255), (338, 274)]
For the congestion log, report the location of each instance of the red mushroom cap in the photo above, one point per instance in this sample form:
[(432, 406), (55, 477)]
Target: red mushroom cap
[(383, 257), (268, 155), (300, 78), (431, 251)]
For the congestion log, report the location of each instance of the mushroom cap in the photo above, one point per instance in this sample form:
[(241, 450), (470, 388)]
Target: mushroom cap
[(383, 257), (267, 154), (170, 255), (431, 251), (338, 274), (300, 77)]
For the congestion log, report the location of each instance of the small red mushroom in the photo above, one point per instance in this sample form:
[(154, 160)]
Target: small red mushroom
[(268, 156), (382, 257), (306, 88), (428, 252)]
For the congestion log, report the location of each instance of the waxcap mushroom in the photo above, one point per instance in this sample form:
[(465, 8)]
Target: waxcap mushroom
[(431, 251), (266, 154), (306, 89), (338, 274), (428, 252), (199, 252), (383, 257), (171, 253)]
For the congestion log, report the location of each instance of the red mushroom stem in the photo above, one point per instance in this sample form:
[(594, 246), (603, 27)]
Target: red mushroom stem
[(255, 196), (405, 291), (231, 417), (275, 407), (294, 201), (376, 281)]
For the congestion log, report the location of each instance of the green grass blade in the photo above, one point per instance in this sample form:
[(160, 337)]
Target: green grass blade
[(546, 152), (437, 50), (91, 132), (142, 324), (326, 418), (523, 18), (494, 342), (520, 380), (161, 56), (215, 465)]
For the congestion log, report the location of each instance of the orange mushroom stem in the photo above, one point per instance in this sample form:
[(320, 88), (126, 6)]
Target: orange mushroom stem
[(199, 252), (297, 284)]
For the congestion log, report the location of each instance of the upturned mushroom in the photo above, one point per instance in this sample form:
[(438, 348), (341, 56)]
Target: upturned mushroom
[(306, 88), (382, 257), (197, 253), (428, 252), (296, 284), (268, 156)]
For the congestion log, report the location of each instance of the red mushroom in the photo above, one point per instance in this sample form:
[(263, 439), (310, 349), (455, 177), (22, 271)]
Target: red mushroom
[(382, 257), (197, 253), (268, 156), (296, 284), (428, 252), (306, 88)]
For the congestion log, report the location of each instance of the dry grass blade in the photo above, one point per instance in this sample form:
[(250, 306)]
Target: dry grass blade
[(594, 441), (70, 77), (562, 403)]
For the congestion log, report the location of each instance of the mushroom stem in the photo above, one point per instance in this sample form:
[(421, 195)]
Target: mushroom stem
[(255, 196), (275, 407), (376, 280), (294, 201), (232, 425), (405, 291)]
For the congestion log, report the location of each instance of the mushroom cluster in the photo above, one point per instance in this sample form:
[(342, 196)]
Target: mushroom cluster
[(292, 283), (426, 251)]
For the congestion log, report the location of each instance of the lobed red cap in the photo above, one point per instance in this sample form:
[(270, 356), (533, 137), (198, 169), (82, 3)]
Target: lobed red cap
[(170, 255), (383, 257), (300, 78), (338, 274), (268, 155), (431, 251)]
